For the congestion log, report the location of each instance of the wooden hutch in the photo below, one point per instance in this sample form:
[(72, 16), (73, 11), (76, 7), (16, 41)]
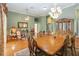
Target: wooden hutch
[(65, 24)]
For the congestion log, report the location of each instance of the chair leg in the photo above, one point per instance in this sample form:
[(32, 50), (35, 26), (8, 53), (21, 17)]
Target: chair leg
[(74, 51), (31, 54), (65, 52)]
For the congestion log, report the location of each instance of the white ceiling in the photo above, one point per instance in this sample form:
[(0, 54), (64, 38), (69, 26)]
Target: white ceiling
[(35, 9)]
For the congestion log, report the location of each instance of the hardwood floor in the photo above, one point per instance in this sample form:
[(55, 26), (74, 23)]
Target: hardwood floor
[(15, 45)]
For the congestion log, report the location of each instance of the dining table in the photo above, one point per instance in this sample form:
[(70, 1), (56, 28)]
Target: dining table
[(50, 43)]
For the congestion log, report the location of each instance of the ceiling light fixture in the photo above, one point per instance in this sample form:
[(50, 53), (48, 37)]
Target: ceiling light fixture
[(44, 8), (55, 12)]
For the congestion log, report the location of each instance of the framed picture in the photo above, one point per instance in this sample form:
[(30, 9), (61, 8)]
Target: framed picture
[(22, 25)]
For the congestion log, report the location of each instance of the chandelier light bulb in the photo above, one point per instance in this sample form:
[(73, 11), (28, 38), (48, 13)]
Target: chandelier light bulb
[(52, 10), (50, 14), (55, 12), (59, 10)]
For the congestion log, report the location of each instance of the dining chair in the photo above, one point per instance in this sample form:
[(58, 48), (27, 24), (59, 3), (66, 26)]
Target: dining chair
[(18, 34), (73, 45), (40, 34), (23, 35), (13, 32), (31, 45), (66, 45), (70, 44)]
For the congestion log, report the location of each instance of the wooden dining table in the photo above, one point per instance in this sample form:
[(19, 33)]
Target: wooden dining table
[(50, 43)]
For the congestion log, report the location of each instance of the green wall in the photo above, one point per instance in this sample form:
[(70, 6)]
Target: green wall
[(42, 23), (14, 18)]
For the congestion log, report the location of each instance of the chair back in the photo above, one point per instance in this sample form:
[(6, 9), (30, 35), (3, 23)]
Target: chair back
[(13, 30), (32, 45), (73, 40), (66, 42), (70, 44), (18, 33)]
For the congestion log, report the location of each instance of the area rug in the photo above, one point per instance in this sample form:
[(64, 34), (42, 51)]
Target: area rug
[(23, 52)]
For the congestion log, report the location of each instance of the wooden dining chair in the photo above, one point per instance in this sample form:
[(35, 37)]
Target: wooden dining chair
[(65, 46), (23, 35), (13, 32), (18, 33), (73, 49), (70, 44), (31, 46)]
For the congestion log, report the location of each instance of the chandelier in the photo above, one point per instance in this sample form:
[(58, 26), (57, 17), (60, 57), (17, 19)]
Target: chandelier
[(55, 12)]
